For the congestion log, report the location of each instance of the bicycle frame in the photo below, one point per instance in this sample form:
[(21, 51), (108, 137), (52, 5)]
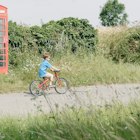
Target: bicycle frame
[(48, 80)]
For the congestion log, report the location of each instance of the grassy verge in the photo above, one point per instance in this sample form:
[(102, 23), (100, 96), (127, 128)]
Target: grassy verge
[(79, 69), (122, 123)]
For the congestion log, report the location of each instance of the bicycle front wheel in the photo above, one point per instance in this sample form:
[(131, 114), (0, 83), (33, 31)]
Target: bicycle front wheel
[(35, 88), (61, 85)]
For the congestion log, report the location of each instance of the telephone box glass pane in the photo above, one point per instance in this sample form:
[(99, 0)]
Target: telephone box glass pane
[(1, 45), (2, 51), (1, 40), (1, 27), (1, 21), (2, 64), (1, 34), (2, 57)]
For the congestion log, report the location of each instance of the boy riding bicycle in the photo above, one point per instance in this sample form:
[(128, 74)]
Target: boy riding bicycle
[(44, 66)]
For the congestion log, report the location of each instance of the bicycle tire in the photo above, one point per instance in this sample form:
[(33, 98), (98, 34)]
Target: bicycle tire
[(34, 89), (61, 85)]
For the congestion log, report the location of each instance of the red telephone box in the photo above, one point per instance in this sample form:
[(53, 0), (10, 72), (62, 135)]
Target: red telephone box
[(3, 40)]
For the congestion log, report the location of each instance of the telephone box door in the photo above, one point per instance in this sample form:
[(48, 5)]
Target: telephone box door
[(3, 40)]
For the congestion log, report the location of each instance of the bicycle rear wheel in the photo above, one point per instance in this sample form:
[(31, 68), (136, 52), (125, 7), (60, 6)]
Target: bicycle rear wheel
[(61, 85), (35, 88)]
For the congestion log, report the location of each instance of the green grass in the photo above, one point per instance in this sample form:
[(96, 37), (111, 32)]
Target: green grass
[(82, 68), (91, 69), (122, 123), (79, 69), (111, 122)]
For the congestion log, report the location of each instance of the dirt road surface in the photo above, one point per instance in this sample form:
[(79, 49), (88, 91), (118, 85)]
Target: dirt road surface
[(24, 104)]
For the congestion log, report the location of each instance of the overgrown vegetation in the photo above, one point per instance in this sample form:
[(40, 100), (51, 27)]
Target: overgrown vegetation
[(122, 44), (122, 123), (114, 58), (55, 36), (96, 69), (85, 58)]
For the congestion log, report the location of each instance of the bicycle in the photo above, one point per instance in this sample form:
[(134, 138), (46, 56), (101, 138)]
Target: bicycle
[(38, 87)]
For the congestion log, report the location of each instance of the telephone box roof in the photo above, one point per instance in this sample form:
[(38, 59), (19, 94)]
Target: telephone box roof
[(3, 6)]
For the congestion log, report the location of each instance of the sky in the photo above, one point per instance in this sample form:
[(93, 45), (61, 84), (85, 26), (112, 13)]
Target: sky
[(36, 12)]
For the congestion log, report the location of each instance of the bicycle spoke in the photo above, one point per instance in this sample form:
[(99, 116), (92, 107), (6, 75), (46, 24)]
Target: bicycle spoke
[(35, 88), (61, 85)]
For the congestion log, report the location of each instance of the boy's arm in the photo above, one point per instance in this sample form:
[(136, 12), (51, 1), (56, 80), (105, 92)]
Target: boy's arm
[(54, 68)]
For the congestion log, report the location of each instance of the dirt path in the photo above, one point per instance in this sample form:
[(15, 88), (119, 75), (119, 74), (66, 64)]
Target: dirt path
[(19, 104)]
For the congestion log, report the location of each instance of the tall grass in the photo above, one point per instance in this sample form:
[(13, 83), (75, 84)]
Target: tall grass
[(111, 122), (81, 68), (122, 123), (78, 69), (115, 122), (120, 43)]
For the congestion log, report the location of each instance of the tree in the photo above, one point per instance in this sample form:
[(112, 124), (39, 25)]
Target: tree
[(67, 33), (113, 14), (55, 36)]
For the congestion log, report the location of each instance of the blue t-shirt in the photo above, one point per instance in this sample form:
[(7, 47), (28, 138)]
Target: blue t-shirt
[(43, 68)]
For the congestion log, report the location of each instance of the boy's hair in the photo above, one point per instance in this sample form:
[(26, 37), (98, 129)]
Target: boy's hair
[(46, 55)]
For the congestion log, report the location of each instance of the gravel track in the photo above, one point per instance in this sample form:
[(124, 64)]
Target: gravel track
[(24, 104)]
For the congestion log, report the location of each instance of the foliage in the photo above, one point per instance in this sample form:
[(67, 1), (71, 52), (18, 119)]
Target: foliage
[(96, 68), (79, 32), (20, 40), (20, 36), (120, 44), (56, 36), (126, 46), (68, 33), (113, 14), (92, 123)]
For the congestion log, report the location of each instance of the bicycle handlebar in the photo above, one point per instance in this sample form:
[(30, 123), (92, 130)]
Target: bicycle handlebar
[(56, 71)]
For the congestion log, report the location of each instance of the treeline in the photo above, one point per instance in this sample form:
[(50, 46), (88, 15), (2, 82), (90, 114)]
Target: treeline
[(55, 36), (73, 34)]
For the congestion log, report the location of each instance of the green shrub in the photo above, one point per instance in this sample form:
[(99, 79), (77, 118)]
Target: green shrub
[(79, 32), (125, 46), (110, 122), (20, 36), (68, 33), (55, 36)]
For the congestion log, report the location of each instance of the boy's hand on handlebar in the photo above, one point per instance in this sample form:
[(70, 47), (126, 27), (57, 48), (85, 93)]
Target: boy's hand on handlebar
[(57, 70)]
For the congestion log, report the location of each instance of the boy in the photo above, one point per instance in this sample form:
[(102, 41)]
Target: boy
[(44, 66)]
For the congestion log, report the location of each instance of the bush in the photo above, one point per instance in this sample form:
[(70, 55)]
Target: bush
[(66, 34), (20, 36), (79, 32), (56, 36), (125, 46)]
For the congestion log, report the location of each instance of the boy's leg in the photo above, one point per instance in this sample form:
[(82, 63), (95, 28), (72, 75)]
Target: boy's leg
[(45, 78), (49, 75)]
